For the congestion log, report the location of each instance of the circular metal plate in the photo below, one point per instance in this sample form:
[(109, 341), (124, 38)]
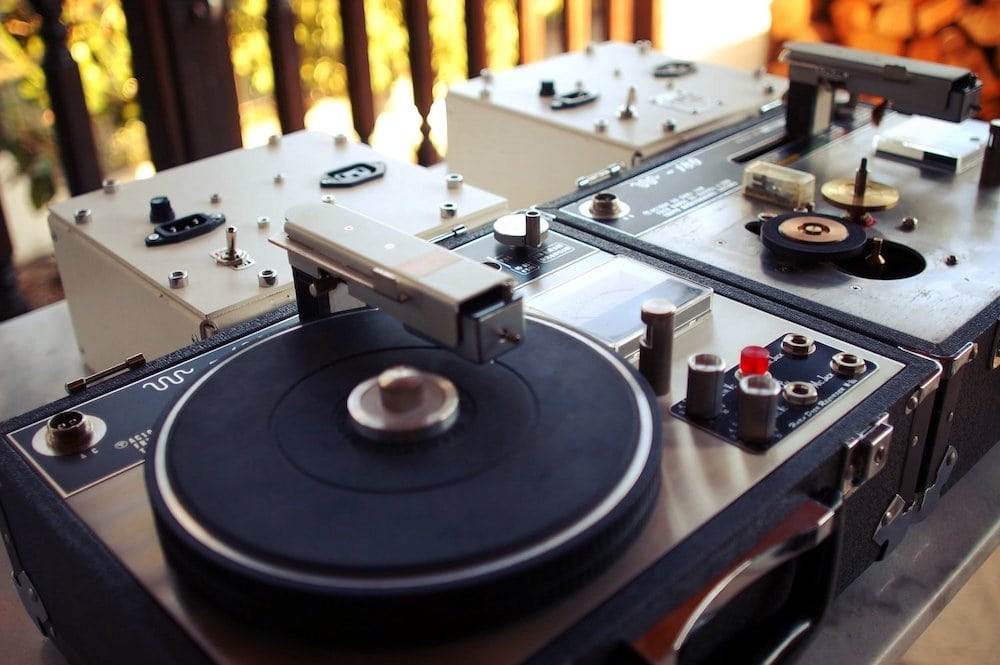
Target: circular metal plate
[(813, 229), (877, 196)]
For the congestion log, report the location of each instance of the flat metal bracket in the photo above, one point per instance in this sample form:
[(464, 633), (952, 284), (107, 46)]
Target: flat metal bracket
[(927, 500), (866, 454), (32, 602), (927, 389)]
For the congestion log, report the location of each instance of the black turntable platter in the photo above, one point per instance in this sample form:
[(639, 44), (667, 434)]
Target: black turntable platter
[(276, 502)]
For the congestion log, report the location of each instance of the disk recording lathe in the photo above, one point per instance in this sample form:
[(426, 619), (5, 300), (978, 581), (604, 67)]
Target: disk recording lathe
[(542, 446)]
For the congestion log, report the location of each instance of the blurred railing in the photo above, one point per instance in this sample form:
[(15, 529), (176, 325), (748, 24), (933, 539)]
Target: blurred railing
[(181, 56), (187, 92)]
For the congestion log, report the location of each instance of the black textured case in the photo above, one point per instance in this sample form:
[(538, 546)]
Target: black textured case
[(97, 612)]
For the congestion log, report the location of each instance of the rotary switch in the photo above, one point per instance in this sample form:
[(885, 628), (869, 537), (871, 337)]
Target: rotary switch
[(526, 230)]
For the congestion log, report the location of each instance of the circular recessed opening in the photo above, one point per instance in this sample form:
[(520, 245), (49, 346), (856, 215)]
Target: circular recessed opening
[(899, 262)]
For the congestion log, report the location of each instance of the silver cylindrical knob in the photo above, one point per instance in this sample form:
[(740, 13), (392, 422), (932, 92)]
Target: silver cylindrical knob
[(758, 408), (657, 345), (706, 376), (401, 389)]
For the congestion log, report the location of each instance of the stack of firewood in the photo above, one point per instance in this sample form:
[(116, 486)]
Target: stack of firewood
[(957, 32)]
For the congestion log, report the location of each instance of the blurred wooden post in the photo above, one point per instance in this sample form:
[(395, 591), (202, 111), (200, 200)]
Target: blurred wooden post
[(180, 54), (475, 36), (11, 301), (74, 133), (422, 73), (576, 24), (285, 62), (643, 20), (620, 19), (531, 31), (359, 80)]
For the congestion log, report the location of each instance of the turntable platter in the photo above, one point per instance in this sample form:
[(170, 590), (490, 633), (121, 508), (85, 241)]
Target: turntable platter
[(812, 237), (272, 501)]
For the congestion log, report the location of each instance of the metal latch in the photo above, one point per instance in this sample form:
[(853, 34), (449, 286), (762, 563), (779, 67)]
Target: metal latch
[(898, 518), (866, 454), (22, 583)]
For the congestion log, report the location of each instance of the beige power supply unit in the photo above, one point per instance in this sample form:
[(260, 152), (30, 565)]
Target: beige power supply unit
[(531, 132), (137, 286)]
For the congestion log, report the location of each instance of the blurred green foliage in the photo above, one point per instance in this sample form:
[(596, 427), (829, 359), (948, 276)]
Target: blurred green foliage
[(99, 45)]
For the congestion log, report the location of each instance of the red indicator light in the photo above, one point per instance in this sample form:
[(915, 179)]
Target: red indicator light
[(754, 360)]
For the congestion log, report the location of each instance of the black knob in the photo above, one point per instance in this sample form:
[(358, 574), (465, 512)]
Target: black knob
[(547, 89), (160, 210)]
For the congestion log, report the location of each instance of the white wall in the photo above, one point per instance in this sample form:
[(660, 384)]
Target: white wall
[(727, 32)]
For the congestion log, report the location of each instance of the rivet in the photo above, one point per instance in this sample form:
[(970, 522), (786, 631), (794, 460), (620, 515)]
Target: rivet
[(601, 125), (328, 198), (951, 260), (279, 178), (110, 186), (454, 180), (177, 279), (273, 140), (267, 277), (83, 215), (263, 220), (215, 198), (448, 210)]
